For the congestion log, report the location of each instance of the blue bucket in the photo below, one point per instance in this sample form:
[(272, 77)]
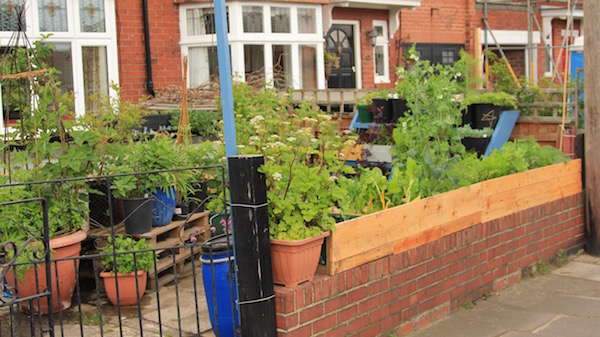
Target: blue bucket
[(223, 269), (163, 206)]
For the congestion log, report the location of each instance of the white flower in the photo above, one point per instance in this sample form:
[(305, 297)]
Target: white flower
[(291, 139), (440, 97), (350, 142), (347, 132), (241, 146), (333, 178), (273, 137), (271, 158), (276, 176), (341, 154), (309, 119), (314, 140), (256, 120), (325, 117), (239, 116), (254, 138)]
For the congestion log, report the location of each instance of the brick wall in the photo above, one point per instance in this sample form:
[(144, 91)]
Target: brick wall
[(164, 42), (407, 291)]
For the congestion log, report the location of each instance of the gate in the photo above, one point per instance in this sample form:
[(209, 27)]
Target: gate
[(169, 301)]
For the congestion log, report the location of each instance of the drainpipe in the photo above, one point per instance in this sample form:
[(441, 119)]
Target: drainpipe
[(150, 83)]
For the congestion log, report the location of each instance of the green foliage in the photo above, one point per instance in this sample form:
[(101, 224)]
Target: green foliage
[(429, 130), (158, 153), (202, 123), (302, 161), (126, 260), (501, 99)]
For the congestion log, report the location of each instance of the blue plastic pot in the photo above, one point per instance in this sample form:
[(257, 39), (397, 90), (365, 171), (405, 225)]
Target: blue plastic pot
[(220, 274), (163, 206)]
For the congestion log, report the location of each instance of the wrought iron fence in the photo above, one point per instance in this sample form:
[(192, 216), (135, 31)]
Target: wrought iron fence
[(189, 289)]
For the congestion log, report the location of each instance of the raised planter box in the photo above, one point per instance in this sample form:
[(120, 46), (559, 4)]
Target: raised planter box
[(398, 270), (367, 238)]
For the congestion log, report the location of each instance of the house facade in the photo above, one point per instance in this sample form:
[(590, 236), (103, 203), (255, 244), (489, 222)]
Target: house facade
[(139, 45)]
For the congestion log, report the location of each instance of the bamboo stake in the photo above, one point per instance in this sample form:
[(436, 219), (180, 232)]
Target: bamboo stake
[(566, 74), (183, 130)]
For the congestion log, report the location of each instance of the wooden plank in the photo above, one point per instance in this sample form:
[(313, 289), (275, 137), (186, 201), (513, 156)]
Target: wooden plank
[(361, 258), (514, 181), (418, 239), (531, 195), (386, 227), (353, 152)]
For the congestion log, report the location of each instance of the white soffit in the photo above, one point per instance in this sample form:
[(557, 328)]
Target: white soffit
[(511, 37)]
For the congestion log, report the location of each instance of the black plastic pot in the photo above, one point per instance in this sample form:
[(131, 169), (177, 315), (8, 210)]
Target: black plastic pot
[(138, 215), (484, 115), (382, 110), (399, 108), (98, 204), (478, 145), (155, 122)]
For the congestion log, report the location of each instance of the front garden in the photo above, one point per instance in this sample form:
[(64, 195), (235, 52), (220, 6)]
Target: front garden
[(435, 203)]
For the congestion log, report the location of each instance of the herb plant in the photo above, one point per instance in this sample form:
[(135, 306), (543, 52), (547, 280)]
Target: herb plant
[(130, 255)]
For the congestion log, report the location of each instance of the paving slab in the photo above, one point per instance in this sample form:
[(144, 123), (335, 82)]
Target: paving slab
[(563, 303)]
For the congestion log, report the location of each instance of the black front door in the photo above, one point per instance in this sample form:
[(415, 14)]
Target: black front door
[(340, 41)]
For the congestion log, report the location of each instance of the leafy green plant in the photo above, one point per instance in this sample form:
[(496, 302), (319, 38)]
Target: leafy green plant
[(158, 153), (129, 254), (202, 123), (501, 99)]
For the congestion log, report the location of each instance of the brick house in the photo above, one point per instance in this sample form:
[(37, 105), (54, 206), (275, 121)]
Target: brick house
[(99, 42)]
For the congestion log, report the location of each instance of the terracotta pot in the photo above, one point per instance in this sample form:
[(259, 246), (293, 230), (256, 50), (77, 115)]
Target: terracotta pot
[(295, 262), (127, 287), (67, 246)]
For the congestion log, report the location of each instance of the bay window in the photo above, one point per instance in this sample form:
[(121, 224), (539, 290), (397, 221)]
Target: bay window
[(280, 44)]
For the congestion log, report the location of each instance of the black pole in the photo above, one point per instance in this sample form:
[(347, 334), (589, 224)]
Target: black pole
[(150, 83), (252, 246)]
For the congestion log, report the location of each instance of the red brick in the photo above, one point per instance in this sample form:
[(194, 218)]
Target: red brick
[(358, 323), (335, 303), (405, 328), (284, 300), (341, 331), (311, 313), (368, 304), (300, 332), (287, 322), (379, 314), (358, 294), (371, 330), (324, 323), (347, 313), (379, 286)]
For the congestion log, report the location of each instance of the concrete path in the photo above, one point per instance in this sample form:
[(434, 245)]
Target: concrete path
[(562, 303)]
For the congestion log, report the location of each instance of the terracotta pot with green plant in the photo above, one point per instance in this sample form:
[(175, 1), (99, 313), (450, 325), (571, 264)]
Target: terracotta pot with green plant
[(302, 162), (127, 262)]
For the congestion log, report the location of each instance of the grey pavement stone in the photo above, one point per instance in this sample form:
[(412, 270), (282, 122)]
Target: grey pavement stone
[(563, 303)]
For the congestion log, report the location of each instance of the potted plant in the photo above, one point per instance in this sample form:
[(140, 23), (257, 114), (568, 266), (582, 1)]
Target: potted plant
[(302, 161), (483, 108), (127, 262), (149, 199), (54, 146), (364, 113)]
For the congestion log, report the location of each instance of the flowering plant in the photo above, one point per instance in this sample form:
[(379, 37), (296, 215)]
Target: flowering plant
[(302, 162)]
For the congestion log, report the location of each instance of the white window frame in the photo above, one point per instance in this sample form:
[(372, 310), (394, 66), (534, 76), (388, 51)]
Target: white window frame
[(516, 38), (382, 41), (237, 38), (77, 39)]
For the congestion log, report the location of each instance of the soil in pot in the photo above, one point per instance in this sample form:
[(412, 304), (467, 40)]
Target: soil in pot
[(129, 289), (68, 246), (137, 214)]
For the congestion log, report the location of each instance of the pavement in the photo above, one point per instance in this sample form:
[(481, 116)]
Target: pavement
[(563, 302)]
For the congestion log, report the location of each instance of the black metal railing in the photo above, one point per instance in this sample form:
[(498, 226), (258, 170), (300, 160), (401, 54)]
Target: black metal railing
[(176, 297)]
